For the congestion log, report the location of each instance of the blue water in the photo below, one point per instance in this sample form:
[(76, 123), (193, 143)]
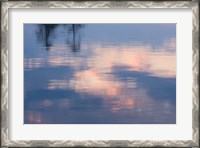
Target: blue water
[(99, 73)]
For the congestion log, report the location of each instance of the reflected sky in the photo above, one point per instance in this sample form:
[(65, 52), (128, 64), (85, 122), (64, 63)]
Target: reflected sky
[(100, 73)]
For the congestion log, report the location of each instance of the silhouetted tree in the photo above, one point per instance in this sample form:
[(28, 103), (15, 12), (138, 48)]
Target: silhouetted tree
[(46, 32), (75, 30)]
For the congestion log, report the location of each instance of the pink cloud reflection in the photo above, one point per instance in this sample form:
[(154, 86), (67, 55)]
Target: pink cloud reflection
[(97, 79)]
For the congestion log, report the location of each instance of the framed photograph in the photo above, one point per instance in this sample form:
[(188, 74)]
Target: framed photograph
[(100, 73)]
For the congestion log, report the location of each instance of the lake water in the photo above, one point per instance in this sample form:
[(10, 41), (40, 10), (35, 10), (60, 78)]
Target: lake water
[(100, 73)]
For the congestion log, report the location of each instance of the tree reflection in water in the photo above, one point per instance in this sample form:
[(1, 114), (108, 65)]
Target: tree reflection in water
[(46, 34)]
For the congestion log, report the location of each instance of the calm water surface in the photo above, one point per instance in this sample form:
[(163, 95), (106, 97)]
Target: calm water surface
[(100, 74)]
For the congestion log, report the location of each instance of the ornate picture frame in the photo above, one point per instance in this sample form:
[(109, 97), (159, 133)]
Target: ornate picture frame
[(5, 142)]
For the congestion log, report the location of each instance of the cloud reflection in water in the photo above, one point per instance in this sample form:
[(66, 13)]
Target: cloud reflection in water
[(99, 71)]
